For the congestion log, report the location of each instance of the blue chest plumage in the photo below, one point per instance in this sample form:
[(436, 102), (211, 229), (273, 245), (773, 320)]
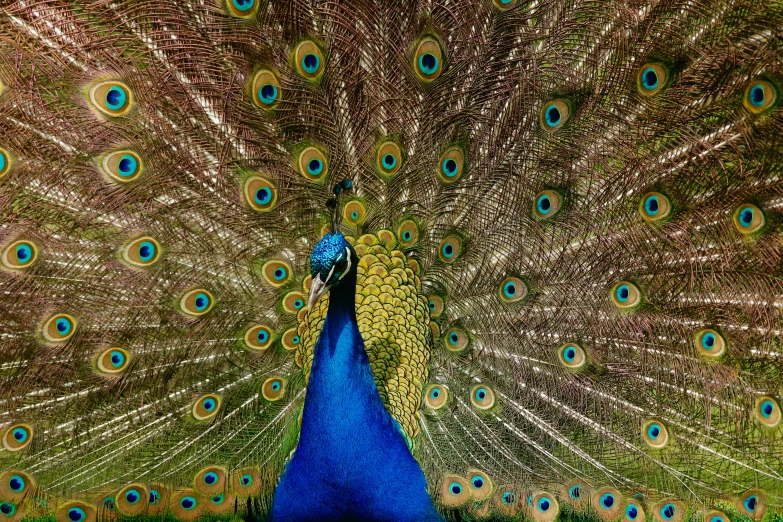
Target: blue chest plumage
[(351, 462)]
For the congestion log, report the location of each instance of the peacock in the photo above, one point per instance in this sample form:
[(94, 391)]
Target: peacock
[(411, 260)]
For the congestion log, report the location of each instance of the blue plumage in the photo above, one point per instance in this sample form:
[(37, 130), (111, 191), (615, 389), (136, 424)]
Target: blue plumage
[(352, 462)]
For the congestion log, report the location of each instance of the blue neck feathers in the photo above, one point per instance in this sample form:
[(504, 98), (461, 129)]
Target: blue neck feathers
[(351, 462)]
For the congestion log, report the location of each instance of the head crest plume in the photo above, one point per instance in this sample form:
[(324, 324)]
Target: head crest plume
[(333, 204)]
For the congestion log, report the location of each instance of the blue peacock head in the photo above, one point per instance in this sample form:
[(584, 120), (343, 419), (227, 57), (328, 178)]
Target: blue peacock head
[(333, 257)]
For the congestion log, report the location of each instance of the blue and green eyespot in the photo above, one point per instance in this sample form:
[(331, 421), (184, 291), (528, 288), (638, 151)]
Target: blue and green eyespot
[(428, 59), (555, 114), (653, 77), (309, 60), (760, 96)]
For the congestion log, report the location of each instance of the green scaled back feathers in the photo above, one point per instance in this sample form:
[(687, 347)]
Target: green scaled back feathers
[(569, 222)]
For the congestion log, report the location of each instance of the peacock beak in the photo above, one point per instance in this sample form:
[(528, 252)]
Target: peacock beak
[(317, 289)]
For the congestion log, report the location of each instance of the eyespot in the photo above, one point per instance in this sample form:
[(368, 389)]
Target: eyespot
[(753, 504), (389, 159), (259, 337), (669, 511), (652, 78), (760, 96), (20, 254), (354, 212), (141, 252), (768, 411), (436, 396), (749, 219), (221, 503), (273, 389), (450, 248), (387, 238), (454, 491), (456, 340), (482, 397), (626, 295), (451, 165), (504, 5), (132, 499), (247, 482), (607, 503), (309, 60), (242, 8), (554, 115), (206, 407), (267, 92), (291, 339), (15, 485), (17, 437), (544, 507), (548, 204), (710, 343), (293, 302), (428, 59), (122, 165), (634, 512), (572, 356), (5, 162), (113, 361), (111, 98), (512, 290), (655, 434), (313, 164), (196, 302), (260, 193), (436, 305), (185, 504), (654, 206), (408, 233), (59, 328), (276, 273), (75, 511), (713, 515), (480, 484), (210, 480)]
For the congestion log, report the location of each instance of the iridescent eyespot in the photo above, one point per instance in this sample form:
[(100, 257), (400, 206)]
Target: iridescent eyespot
[(749, 219), (309, 60), (17, 437), (273, 388), (7, 509), (259, 337), (293, 302), (626, 295), (196, 302), (482, 397), (260, 193), (450, 248), (436, 396), (15, 485), (313, 164), (408, 233), (132, 499), (5, 162), (753, 504), (242, 8), (354, 212), (428, 59), (713, 515), (575, 492), (436, 304), (141, 252), (768, 411), (59, 328), (480, 484), (654, 206), (607, 502), (451, 164), (454, 491), (512, 290), (206, 407), (19, 254), (122, 165), (668, 511), (634, 512), (544, 507), (75, 511), (572, 356), (113, 361), (655, 434), (210, 480), (710, 343), (266, 89), (456, 340), (276, 272), (246, 481), (652, 78), (185, 504), (291, 339), (111, 98), (554, 115), (389, 158), (760, 96), (547, 205), (504, 5)]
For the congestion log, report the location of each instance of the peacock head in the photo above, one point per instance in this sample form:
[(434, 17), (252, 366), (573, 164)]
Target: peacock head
[(332, 259)]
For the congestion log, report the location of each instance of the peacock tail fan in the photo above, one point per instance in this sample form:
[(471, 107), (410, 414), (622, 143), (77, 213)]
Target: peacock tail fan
[(567, 214)]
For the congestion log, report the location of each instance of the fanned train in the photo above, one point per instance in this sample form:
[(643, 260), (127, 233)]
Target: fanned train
[(566, 217)]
